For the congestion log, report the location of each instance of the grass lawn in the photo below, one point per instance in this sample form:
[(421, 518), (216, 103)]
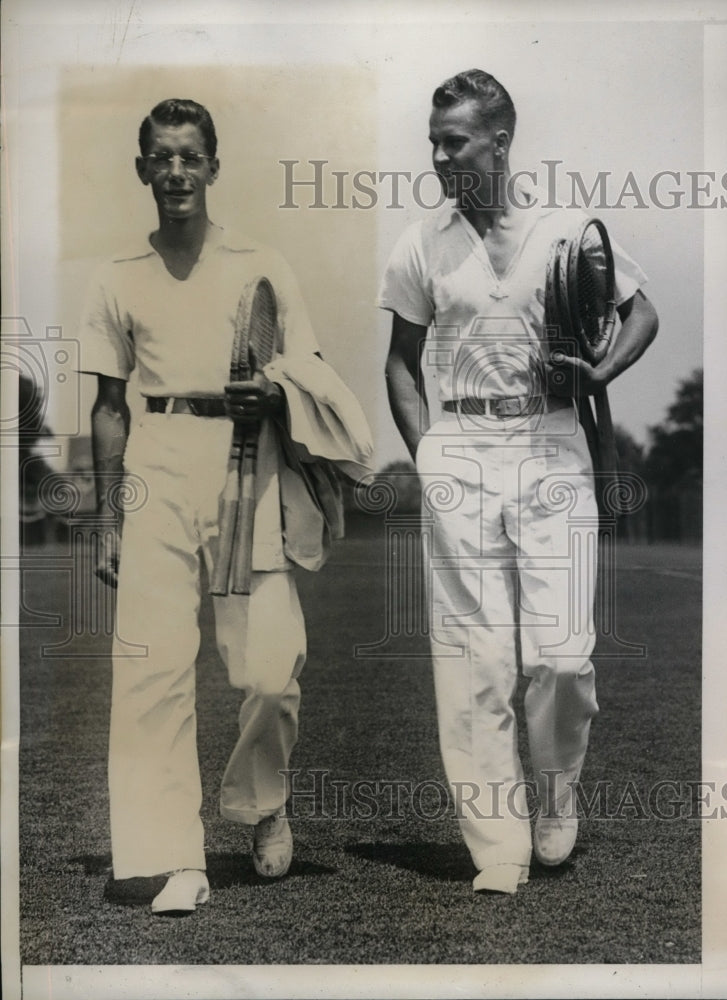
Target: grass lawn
[(381, 885)]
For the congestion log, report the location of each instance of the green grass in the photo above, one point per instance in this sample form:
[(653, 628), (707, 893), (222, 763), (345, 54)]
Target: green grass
[(378, 889)]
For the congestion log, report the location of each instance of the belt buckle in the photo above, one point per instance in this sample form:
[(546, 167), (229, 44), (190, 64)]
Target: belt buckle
[(508, 406), (195, 406)]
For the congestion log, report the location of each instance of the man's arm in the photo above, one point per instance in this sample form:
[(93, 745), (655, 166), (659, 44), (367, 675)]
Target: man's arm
[(403, 381), (640, 325), (109, 433)]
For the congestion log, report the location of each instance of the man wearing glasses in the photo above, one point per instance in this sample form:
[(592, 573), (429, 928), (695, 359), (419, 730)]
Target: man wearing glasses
[(168, 310)]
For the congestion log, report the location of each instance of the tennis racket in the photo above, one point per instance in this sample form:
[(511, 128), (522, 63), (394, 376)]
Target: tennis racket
[(555, 315), (589, 275), (580, 317), (261, 322), (256, 340), (592, 301)]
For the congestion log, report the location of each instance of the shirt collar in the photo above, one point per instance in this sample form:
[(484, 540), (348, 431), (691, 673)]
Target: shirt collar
[(525, 189), (216, 238)]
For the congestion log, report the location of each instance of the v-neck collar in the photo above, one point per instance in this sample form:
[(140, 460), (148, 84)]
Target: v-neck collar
[(524, 186), (212, 239), (483, 255), (217, 239)]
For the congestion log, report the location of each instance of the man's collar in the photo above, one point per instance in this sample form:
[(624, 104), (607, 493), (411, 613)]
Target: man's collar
[(447, 216), (215, 238), (524, 189)]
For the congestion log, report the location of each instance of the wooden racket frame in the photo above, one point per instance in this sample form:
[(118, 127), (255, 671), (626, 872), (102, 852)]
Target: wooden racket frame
[(593, 353), (565, 333), (237, 500)]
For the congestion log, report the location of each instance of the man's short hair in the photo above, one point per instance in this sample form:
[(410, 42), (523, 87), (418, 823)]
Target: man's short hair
[(176, 111), (496, 107)]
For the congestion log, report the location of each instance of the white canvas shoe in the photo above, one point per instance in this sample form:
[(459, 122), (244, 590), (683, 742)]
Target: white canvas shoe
[(554, 838), (272, 850), (183, 891)]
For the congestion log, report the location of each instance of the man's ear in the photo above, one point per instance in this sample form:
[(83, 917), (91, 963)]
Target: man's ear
[(141, 170), (214, 170), (502, 142)]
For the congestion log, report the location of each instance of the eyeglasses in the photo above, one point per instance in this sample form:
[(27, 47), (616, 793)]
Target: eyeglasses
[(191, 161)]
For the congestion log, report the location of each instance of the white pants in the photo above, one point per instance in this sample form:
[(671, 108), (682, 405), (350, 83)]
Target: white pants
[(154, 780), (512, 561)]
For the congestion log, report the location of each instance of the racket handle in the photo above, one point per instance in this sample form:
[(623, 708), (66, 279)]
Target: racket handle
[(227, 519), (608, 456), (242, 566), (606, 437)]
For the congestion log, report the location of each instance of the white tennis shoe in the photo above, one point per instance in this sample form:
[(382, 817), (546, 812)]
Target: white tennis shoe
[(554, 838), (272, 850), (184, 890)]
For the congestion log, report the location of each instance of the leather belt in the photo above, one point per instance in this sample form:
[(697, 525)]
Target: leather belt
[(507, 406), (200, 406)]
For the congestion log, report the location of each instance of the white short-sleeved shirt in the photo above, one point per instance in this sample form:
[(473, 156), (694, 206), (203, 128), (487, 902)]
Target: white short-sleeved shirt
[(179, 334), (487, 332)]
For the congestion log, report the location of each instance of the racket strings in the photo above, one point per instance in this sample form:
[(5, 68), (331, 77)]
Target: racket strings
[(553, 317), (263, 326), (592, 301), (591, 289)]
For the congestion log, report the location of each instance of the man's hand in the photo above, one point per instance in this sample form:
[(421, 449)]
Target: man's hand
[(107, 561), (248, 402), (571, 376)]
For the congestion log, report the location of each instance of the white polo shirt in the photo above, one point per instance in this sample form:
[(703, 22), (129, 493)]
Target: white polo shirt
[(487, 332), (179, 334)]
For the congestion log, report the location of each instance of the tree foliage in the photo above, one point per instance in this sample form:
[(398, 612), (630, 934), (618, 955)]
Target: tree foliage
[(675, 456), (630, 452), (31, 427)]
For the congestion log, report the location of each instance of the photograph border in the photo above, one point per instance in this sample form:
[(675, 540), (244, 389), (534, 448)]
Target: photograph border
[(709, 979)]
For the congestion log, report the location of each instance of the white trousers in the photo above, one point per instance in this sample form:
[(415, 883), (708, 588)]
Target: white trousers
[(511, 565), (154, 779)]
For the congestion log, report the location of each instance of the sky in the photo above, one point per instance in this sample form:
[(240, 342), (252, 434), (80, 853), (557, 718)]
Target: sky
[(625, 100)]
